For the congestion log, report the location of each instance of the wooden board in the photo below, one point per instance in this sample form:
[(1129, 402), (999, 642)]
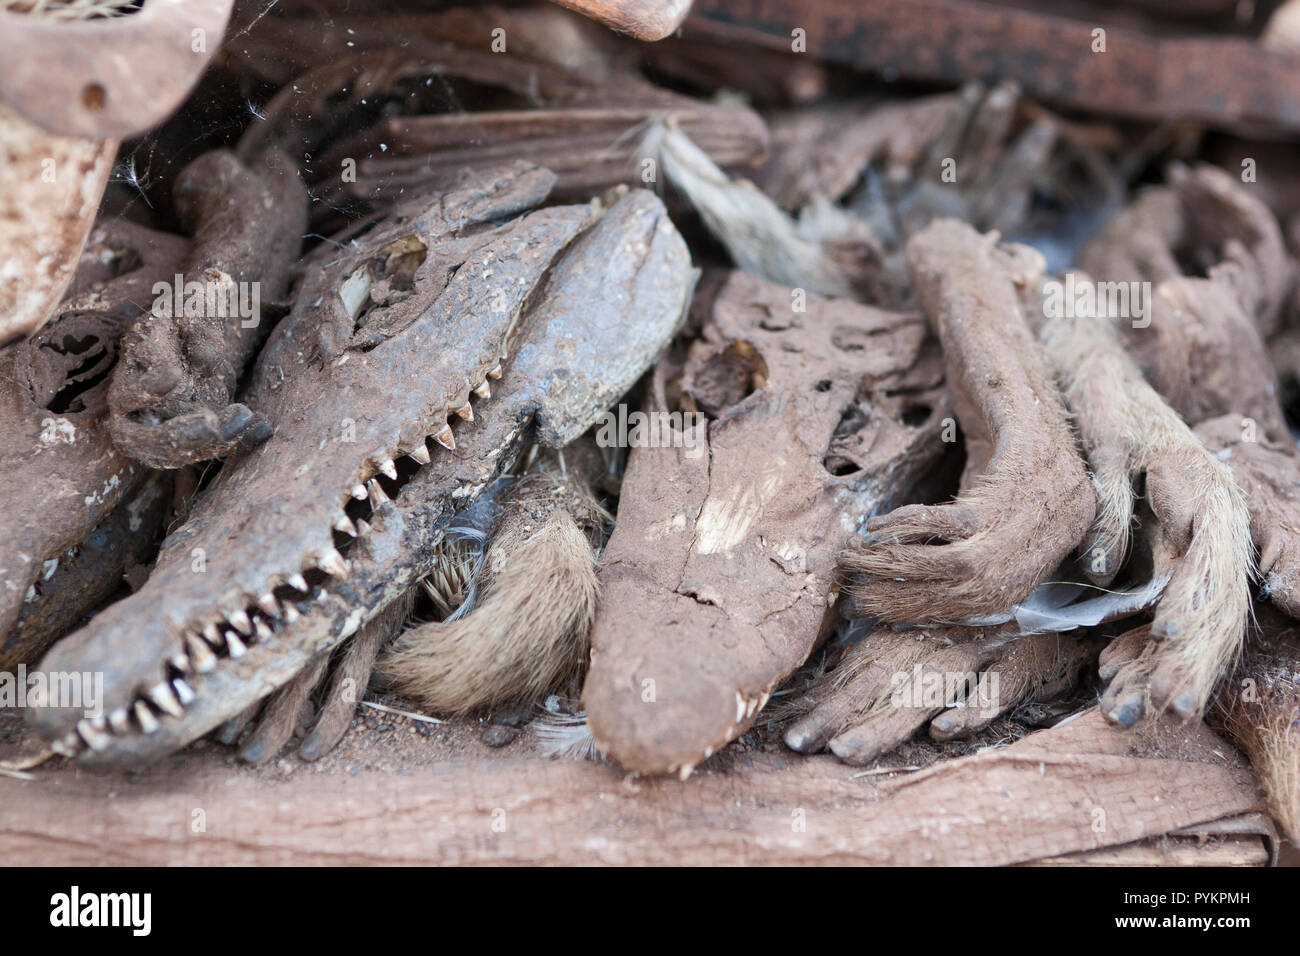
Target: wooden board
[(447, 799)]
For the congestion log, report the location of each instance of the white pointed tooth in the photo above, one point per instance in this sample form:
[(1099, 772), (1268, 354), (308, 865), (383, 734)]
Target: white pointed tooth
[(446, 439), (421, 454), (184, 692), (236, 647), (298, 582), (201, 655), (359, 492), (119, 720), (145, 717), (269, 604), (496, 372), (95, 738), (377, 494), (67, 746), (181, 661), (388, 468), (466, 412), (164, 698), (483, 391), (241, 621), (213, 635), (344, 524), (333, 564), (363, 526), (264, 632), (290, 612)]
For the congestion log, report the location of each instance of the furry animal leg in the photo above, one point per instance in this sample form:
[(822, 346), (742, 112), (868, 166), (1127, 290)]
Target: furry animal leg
[(956, 679), (1202, 541), (529, 631), (1025, 501)]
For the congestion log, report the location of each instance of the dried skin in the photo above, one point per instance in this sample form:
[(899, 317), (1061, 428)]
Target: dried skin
[(171, 398), (529, 631), (955, 679), (1025, 501), (716, 581)]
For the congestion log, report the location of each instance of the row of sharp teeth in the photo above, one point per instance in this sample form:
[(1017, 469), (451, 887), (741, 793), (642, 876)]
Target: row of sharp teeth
[(369, 489), (203, 652), (232, 635)]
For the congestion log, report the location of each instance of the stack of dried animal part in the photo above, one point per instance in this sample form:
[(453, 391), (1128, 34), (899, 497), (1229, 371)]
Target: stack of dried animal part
[(300, 542)]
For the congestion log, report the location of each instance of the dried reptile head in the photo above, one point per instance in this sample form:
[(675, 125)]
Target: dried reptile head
[(54, 411), (717, 580), (386, 343)]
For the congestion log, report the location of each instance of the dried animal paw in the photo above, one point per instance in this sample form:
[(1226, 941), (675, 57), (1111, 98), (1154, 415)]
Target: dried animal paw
[(955, 679), (171, 396), (1201, 536), (1025, 501)]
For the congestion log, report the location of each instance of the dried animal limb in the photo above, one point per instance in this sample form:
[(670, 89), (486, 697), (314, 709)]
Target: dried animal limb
[(1025, 501), (956, 679), (53, 409), (1238, 239), (171, 397), (1259, 707), (1268, 474), (1202, 350), (53, 185), (1203, 533), (529, 629), (716, 582), (447, 300)]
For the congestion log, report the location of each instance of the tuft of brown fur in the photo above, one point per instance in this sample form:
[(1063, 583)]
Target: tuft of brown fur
[(1260, 709), (1203, 537), (528, 631)]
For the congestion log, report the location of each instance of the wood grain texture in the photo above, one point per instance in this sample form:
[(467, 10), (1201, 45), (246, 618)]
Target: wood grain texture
[(1037, 799)]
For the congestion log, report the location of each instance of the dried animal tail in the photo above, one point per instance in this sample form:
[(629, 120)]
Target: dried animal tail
[(528, 632)]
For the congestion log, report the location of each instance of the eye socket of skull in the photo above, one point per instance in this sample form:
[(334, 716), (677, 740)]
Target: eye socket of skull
[(726, 377), (70, 360)]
